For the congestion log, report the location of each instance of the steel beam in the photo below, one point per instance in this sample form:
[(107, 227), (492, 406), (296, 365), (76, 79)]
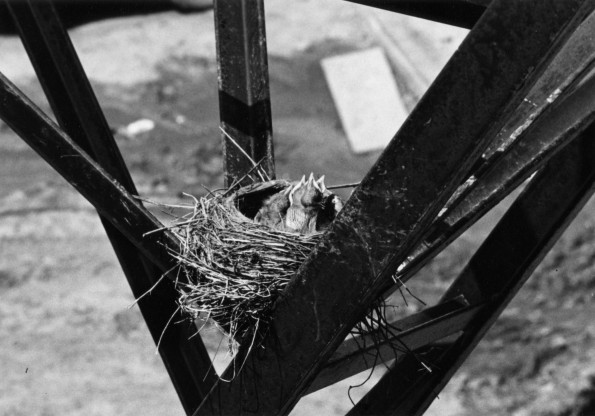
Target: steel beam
[(77, 110), (402, 337), (244, 98), (388, 214), (555, 128), (112, 201), (123, 210), (463, 13), (559, 125), (496, 272), (576, 57)]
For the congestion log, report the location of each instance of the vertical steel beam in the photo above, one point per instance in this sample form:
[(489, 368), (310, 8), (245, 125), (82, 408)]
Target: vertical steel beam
[(244, 98), (496, 272), (389, 213), (77, 110)]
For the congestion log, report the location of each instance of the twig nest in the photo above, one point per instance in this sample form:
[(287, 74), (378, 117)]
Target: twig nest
[(239, 251)]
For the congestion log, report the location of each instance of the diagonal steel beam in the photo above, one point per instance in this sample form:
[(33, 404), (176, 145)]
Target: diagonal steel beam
[(558, 126), (463, 13), (386, 217), (363, 352), (575, 58), (244, 98), (112, 201), (77, 110), (495, 273)]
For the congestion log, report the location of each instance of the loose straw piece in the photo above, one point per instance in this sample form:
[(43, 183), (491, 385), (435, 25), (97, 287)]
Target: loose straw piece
[(261, 172)]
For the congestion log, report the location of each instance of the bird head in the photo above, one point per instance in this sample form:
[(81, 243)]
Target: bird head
[(312, 195), (296, 191), (307, 193)]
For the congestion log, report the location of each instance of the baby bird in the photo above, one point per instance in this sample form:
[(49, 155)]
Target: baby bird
[(304, 205), (274, 209), (330, 206)]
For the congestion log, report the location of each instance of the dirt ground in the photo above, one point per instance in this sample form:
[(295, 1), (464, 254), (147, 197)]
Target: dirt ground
[(71, 344)]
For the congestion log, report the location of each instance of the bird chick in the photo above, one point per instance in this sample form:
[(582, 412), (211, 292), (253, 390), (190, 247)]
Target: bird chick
[(304, 205), (274, 209), (330, 206)]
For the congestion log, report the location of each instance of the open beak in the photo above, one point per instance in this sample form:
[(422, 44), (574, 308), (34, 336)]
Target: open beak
[(295, 188)]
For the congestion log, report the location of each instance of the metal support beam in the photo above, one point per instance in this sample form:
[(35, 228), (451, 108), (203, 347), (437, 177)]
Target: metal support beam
[(495, 274), (123, 210), (564, 120), (574, 60), (244, 98), (570, 65), (463, 13), (388, 214), (558, 126), (77, 110), (363, 352)]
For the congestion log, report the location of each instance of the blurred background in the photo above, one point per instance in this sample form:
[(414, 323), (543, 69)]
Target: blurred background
[(71, 344)]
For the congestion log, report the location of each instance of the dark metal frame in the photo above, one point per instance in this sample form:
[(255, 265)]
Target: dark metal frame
[(244, 98), (524, 71), (76, 109)]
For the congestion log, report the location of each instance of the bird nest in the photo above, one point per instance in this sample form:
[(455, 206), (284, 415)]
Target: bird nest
[(239, 250)]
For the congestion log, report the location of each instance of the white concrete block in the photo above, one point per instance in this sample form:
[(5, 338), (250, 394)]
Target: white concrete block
[(366, 97)]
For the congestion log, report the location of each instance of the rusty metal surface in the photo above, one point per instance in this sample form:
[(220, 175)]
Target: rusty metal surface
[(244, 98), (463, 13), (75, 106), (495, 273), (486, 79)]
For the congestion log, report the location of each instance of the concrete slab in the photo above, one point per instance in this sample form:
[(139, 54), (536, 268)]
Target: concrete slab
[(366, 97)]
